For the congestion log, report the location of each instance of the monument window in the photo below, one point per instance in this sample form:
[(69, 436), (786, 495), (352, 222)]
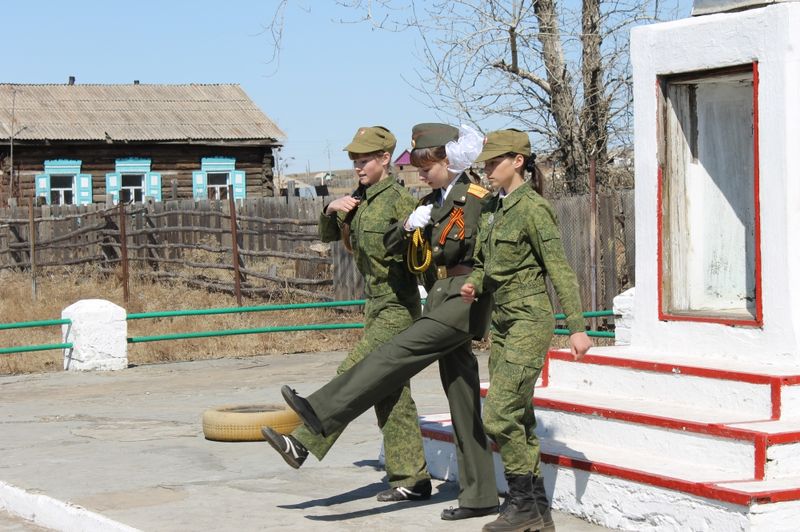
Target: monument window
[(708, 226)]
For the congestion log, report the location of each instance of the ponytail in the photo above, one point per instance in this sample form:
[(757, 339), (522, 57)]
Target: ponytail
[(537, 178)]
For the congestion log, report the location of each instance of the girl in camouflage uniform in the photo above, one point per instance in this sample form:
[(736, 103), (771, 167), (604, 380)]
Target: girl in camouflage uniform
[(393, 303), (447, 219), (518, 245)]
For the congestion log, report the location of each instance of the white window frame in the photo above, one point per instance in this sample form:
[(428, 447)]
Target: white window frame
[(220, 192), (132, 189), (61, 190)]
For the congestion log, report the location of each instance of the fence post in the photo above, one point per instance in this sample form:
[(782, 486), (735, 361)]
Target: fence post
[(32, 242), (237, 283), (593, 234), (123, 240)]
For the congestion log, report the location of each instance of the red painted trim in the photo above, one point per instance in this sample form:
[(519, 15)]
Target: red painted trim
[(720, 430), (701, 319), (661, 367), (758, 321), (757, 198), (709, 490), (702, 489), (775, 395), (781, 437), (760, 457), (546, 372)]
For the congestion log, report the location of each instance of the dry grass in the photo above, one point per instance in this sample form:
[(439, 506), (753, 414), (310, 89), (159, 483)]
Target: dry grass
[(59, 289)]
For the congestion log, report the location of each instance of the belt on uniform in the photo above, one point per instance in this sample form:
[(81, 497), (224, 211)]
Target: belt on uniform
[(443, 272)]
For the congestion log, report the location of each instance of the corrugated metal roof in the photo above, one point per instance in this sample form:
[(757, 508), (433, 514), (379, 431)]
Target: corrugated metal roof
[(133, 112)]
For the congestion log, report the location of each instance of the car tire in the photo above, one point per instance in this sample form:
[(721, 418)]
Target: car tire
[(244, 422)]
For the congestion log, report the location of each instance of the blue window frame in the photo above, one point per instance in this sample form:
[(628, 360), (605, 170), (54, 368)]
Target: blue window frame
[(214, 176), (132, 181), (62, 183)]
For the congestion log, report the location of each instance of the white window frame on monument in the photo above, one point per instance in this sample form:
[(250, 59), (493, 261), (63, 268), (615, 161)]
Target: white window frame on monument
[(708, 213)]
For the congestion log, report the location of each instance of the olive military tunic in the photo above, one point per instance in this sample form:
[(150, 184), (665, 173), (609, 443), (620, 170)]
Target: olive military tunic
[(443, 334), (519, 244), (392, 305)]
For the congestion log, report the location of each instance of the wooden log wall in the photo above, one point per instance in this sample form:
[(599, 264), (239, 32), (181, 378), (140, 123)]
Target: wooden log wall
[(175, 162)]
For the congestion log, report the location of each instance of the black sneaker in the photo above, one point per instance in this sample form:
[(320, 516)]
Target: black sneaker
[(302, 409), (421, 491), (288, 447)]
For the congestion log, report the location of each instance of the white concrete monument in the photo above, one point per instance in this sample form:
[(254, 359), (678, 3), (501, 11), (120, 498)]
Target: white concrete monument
[(696, 424), (98, 332)]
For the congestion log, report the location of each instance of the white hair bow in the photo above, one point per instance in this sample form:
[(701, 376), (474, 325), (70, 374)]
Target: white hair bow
[(462, 153)]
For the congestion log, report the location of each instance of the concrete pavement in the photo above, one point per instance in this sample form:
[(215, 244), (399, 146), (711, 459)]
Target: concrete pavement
[(127, 448)]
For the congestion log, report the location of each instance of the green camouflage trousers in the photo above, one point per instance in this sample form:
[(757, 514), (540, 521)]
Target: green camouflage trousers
[(397, 413), (521, 333)]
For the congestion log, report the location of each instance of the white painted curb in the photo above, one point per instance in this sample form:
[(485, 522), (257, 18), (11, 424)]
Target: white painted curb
[(51, 513)]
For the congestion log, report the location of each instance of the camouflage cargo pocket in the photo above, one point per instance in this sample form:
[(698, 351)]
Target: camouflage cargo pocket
[(509, 377)]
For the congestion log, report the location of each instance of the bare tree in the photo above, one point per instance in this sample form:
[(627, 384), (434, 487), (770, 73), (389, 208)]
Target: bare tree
[(561, 72)]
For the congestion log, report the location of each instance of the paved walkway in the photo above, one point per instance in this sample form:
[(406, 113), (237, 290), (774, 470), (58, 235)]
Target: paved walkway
[(128, 448)]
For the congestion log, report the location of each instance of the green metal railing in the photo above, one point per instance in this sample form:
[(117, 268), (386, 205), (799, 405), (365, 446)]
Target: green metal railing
[(237, 310), (39, 347), (233, 332), (291, 328)]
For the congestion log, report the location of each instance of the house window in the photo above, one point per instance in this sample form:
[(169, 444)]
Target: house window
[(218, 185), (63, 184), (132, 189), (214, 176), (709, 239), (133, 181), (62, 189)]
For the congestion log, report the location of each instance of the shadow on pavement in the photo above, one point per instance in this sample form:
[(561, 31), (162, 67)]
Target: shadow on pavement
[(443, 492)]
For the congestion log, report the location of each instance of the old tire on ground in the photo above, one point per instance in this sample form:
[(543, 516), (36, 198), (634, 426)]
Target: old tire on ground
[(244, 422)]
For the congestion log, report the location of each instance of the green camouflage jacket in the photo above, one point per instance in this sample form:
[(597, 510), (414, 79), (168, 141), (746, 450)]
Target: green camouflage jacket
[(519, 244), (384, 271), (444, 302)]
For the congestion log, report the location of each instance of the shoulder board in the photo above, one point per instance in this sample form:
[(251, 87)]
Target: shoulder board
[(477, 190)]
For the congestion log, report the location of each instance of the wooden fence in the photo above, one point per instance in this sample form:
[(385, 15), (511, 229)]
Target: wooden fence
[(278, 244), (616, 248), (278, 248)]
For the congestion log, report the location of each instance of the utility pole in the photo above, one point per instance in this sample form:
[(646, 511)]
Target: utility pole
[(11, 143)]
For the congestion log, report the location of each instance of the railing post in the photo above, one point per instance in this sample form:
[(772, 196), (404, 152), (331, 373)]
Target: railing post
[(237, 282), (32, 242), (593, 234), (123, 241)]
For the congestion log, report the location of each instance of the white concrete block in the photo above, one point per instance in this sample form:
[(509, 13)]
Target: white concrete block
[(623, 317), (98, 332)]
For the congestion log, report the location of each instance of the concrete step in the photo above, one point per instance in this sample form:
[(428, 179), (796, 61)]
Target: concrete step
[(739, 388), (719, 439), (623, 490)]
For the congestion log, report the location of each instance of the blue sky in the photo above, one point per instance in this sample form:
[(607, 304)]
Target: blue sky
[(331, 79)]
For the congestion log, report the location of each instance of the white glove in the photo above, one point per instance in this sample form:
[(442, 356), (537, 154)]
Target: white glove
[(419, 218)]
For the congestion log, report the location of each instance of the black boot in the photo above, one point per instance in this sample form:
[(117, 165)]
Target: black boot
[(544, 505), (521, 514)]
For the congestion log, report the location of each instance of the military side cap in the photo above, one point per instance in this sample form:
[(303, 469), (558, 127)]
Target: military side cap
[(371, 139), (505, 141), (432, 135)]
